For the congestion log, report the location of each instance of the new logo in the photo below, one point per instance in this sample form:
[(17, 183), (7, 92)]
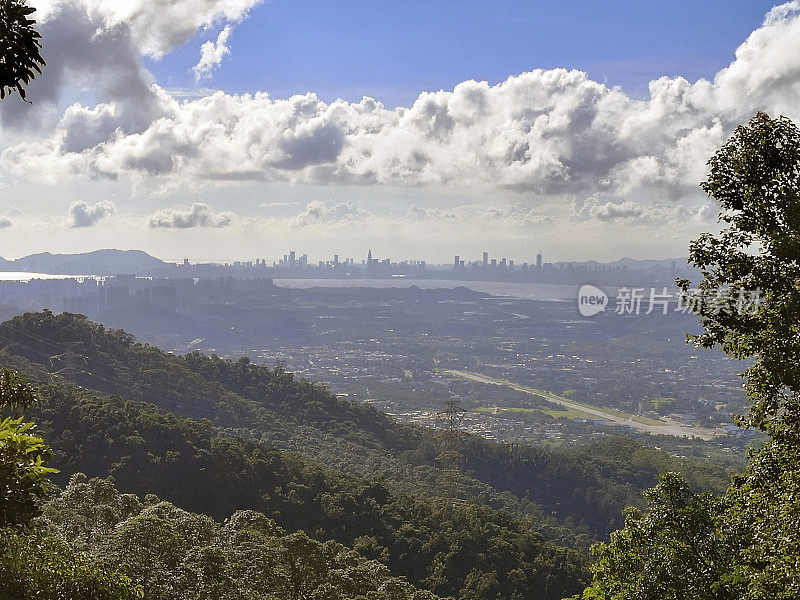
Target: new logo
[(591, 300)]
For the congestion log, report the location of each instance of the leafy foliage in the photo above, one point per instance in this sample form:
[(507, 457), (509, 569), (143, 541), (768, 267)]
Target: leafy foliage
[(435, 545), (23, 476), (746, 544), (20, 46), (176, 554), (674, 550), (343, 472), (763, 521), (38, 565), (755, 177), (590, 486), (15, 395)]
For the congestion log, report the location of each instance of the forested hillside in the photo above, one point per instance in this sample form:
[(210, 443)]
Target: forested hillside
[(214, 437)]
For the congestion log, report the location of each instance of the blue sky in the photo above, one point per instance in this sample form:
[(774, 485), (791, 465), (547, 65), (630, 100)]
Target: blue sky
[(394, 50), (601, 161)]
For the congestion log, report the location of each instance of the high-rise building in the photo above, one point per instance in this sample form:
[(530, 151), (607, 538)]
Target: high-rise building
[(457, 262), (485, 258), (539, 260), (335, 260)]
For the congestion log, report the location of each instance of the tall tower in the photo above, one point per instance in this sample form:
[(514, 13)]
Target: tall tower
[(369, 257), (485, 259), (539, 260), (457, 262), (450, 443)]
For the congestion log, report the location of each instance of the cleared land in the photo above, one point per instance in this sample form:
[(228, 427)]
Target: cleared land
[(613, 417)]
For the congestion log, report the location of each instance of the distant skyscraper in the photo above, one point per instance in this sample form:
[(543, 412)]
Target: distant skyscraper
[(335, 260), (485, 258), (369, 257), (457, 261), (539, 260)]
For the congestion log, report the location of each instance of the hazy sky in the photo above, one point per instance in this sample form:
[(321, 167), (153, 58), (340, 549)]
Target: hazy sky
[(236, 129)]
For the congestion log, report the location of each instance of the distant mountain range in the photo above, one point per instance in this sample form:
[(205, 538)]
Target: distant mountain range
[(99, 262), (633, 263)]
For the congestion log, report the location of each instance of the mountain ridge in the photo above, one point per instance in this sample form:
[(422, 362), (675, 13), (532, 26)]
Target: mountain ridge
[(107, 261)]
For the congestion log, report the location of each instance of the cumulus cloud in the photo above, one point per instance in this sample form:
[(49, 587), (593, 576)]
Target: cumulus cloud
[(82, 214), (611, 211), (156, 28), (198, 215), (4, 222), (600, 209), (97, 46), (519, 213), (515, 215), (211, 55), (318, 212), (549, 133)]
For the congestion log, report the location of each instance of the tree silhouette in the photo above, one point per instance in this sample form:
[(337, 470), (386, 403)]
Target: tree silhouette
[(20, 47)]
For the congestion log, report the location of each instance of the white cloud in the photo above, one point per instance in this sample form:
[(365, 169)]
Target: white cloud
[(96, 46), (82, 214), (211, 55), (551, 134), (653, 213), (319, 212), (198, 215), (611, 211), (155, 27)]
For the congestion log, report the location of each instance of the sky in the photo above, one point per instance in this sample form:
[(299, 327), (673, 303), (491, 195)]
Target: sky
[(241, 129)]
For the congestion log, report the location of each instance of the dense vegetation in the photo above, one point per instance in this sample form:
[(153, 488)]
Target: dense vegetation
[(214, 436), (469, 551), (745, 544), (269, 405), (174, 554)]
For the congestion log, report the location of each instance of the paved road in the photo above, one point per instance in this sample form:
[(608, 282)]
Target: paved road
[(667, 428)]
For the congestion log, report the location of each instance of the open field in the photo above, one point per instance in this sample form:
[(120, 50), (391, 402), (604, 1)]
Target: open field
[(585, 411)]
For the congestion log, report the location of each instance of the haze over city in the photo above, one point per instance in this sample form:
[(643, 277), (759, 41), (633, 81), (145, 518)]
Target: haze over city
[(224, 131)]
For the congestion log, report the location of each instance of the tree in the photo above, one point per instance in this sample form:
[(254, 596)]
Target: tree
[(33, 562), (674, 550), (743, 545), (36, 565), (23, 476), (755, 260), (20, 46), (15, 395)]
